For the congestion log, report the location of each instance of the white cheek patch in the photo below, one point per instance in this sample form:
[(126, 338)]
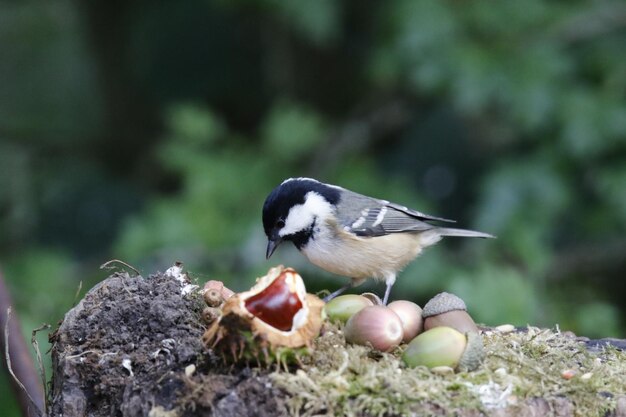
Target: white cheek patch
[(301, 216)]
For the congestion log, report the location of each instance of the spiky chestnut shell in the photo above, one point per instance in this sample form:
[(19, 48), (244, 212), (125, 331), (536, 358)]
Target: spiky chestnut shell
[(447, 309), (274, 315)]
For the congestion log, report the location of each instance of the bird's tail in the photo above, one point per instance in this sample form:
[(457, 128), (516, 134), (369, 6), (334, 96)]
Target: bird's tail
[(434, 235), (446, 231)]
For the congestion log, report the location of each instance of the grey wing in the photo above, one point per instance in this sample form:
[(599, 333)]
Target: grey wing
[(366, 216)]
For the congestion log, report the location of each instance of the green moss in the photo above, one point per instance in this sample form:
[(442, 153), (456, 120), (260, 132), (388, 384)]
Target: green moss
[(342, 379)]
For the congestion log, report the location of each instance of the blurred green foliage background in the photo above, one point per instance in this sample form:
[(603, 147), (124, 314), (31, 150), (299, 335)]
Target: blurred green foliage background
[(151, 131)]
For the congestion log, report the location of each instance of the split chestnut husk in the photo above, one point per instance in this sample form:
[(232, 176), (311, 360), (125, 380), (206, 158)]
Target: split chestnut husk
[(275, 320)]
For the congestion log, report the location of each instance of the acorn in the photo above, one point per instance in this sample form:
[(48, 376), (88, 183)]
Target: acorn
[(226, 293), (210, 314), (447, 309), (345, 306), (445, 346), (411, 316), (213, 298), (377, 326)]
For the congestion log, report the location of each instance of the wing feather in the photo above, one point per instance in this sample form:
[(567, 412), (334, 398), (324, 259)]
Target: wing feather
[(366, 216)]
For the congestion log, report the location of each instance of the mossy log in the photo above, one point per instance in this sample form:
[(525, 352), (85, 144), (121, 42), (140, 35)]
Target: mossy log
[(132, 347)]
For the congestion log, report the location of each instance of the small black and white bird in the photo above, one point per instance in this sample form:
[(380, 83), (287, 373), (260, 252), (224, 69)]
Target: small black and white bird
[(350, 234)]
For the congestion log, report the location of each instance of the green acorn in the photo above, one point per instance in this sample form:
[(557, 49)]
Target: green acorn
[(345, 306), (445, 346)]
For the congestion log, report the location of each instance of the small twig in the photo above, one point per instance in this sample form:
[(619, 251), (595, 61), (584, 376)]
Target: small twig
[(107, 265), (10, 368), (80, 287), (42, 369), (80, 354), (18, 361)]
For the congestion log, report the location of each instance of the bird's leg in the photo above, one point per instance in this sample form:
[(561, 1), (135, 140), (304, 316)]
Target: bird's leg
[(338, 292), (353, 283), (390, 280)]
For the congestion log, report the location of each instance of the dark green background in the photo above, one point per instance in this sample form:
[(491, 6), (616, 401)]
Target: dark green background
[(151, 131)]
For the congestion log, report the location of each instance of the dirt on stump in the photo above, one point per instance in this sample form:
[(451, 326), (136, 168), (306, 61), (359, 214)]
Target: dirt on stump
[(132, 347)]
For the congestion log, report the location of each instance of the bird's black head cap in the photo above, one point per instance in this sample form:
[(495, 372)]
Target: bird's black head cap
[(290, 193)]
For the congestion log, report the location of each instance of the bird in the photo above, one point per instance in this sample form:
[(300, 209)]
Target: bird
[(350, 234)]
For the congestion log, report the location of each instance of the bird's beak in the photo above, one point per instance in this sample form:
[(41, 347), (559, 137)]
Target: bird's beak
[(272, 244)]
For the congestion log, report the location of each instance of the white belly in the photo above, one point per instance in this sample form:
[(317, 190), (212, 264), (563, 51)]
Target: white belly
[(363, 257)]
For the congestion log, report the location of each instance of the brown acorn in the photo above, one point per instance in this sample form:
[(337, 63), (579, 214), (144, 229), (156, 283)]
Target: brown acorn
[(210, 314), (377, 326), (213, 298), (411, 316), (447, 309), (219, 286)]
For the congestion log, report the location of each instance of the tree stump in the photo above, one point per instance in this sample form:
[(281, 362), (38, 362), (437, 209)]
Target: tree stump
[(132, 347)]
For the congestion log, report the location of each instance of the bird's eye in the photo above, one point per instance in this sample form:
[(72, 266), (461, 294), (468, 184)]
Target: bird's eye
[(280, 223)]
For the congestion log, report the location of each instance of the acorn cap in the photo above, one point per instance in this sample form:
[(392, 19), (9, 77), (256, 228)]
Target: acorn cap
[(373, 298), (474, 353), (442, 303)]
